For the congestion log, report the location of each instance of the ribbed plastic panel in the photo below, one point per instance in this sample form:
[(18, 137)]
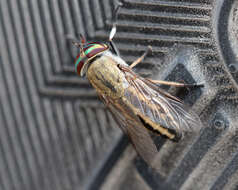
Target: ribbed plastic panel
[(56, 134)]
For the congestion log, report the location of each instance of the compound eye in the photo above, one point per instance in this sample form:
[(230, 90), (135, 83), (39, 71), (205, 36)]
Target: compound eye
[(79, 62), (94, 48), (88, 52)]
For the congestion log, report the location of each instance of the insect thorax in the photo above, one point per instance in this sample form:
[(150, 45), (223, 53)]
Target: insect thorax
[(105, 76)]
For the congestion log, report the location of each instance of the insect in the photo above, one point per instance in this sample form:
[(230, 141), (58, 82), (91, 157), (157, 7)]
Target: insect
[(138, 104)]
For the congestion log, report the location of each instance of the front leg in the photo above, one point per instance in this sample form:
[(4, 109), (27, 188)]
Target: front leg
[(141, 58), (114, 30)]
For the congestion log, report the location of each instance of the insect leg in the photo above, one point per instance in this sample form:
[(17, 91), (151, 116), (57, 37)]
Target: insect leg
[(112, 44), (177, 84), (114, 30), (141, 58)]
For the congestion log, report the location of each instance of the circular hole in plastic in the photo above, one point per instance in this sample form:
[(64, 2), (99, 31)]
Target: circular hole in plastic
[(219, 124), (233, 68)]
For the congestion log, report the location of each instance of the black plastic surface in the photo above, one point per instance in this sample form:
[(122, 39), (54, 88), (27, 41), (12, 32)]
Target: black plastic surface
[(56, 134)]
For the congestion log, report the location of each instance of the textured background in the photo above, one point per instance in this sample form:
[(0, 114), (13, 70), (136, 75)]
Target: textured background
[(56, 134)]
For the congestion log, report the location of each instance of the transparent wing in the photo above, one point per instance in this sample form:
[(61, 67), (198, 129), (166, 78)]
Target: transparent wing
[(156, 105), (131, 125), (161, 107)]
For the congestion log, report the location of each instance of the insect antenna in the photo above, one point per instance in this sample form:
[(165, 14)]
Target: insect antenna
[(83, 39), (76, 42)]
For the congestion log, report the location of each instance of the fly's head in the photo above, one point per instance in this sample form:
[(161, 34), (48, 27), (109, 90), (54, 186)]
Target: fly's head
[(88, 51)]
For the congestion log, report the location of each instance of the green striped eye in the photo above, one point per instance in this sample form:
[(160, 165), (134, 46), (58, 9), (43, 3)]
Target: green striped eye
[(89, 51)]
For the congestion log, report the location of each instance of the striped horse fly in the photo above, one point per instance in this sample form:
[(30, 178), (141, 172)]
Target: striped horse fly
[(138, 104)]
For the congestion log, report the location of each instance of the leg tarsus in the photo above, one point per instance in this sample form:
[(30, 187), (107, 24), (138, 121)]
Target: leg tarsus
[(177, 84), (141, 58)]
